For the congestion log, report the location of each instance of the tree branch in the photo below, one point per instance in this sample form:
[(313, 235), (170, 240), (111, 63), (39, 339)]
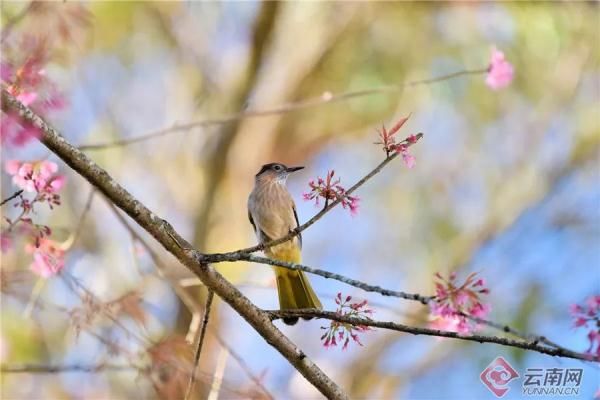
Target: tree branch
[(177, 246), (329, 275), (58, 369), (13, 196), (521, 344), (209, 300), (326, 98), (243, 366)]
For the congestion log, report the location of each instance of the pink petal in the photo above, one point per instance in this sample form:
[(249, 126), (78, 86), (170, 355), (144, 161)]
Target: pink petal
[(409, 159), (57, 183), (12, 167), (500, 73), (27, 98)]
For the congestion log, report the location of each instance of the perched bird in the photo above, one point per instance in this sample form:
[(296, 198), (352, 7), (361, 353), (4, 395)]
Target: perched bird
[(272, 213)]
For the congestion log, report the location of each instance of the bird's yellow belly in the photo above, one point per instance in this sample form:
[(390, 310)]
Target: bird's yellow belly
[(288, 252)]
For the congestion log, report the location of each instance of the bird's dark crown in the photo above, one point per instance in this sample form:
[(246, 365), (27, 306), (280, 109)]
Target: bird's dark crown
[(277, 167)]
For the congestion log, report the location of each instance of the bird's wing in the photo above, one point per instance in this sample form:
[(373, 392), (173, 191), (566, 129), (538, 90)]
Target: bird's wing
[(262, 236), (297, 224)]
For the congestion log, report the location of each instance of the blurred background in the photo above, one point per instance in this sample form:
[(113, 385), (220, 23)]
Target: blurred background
[(506, 185)]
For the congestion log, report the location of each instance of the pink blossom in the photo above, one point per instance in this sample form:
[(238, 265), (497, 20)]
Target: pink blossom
[(388, 140), (39, 177), (12, 167), (27, 98), (56, 183), (35, 176), (16, 132), (338, 332), (454, 303), (588, 316), (500, 72), (450, 324), (24, 77), (48, 258), (331, 190), (409, 159)]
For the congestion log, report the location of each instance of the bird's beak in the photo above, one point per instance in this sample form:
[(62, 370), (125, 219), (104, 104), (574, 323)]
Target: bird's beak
[(294, 169)]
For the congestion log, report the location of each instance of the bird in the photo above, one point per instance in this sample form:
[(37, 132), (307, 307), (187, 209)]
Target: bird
[(272, 213)]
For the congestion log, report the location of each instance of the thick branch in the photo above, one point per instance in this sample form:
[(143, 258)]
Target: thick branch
[(533, 345), (177, 246)]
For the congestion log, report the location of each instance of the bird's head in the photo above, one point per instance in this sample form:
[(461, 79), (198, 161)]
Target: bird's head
[(275, 172)]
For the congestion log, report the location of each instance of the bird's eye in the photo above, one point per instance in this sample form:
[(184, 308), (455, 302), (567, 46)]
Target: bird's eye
[(278, 168)]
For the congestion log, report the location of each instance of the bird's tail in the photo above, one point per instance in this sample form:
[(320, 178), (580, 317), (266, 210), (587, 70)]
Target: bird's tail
[(295, 292)]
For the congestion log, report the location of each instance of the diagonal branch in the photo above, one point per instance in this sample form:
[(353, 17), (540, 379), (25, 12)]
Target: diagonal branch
[(521, 344), (177, 246)]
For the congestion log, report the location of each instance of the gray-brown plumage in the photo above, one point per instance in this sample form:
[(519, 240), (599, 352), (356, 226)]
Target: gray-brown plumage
[(272, 213)]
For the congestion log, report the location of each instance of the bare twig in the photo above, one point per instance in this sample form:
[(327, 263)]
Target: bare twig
[(326, 98), (215, 387), (243, 365), (86, 209), (521, 344), (12, 196), (58, 369), (330, 275), (190, 387)]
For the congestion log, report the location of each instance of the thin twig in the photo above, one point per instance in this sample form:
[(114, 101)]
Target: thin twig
[(86, 209), (330, 275), (192, 380), (521, 344), (14, 195), (243, 365), (57, 369), (217, 381), (326, 98)]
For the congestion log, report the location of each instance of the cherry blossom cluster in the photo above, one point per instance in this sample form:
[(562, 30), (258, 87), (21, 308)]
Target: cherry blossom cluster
[(331, 190), (37, 177), (23, 74), (41, 179), (454, 303), (388, 140), (341, 333), (588, 316)]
